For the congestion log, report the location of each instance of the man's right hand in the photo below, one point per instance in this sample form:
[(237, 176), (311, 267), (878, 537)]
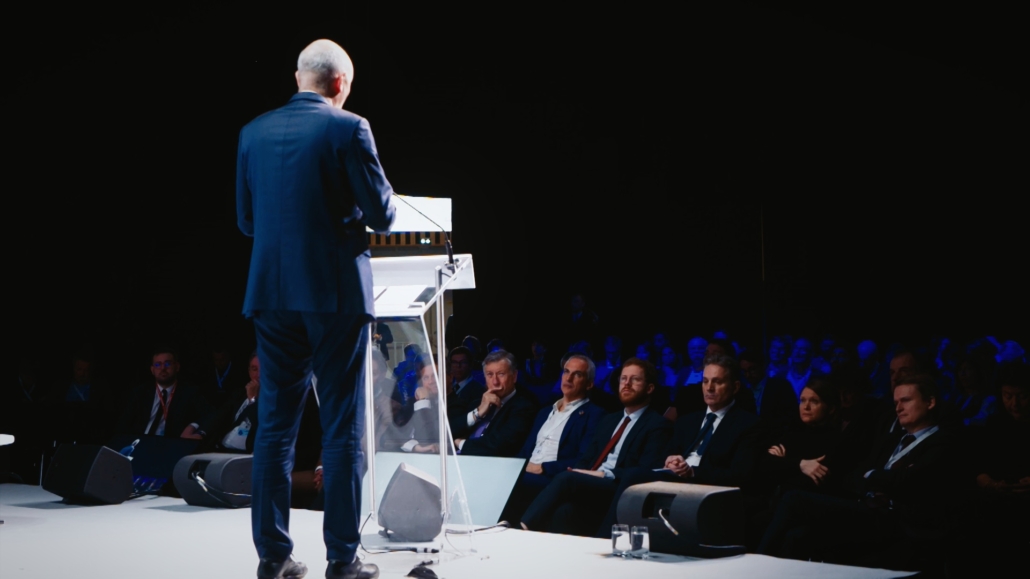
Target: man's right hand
[(534, 468), (489, 399), (679, 467)]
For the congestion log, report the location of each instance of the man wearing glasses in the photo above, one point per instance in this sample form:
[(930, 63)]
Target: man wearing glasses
[(166, 406)]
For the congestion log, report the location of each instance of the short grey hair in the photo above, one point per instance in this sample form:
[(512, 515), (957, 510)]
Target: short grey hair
[(591, 368), (497, 356), (325, 60)]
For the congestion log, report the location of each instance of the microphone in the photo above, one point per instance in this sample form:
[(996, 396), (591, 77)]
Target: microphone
[(446, 235)]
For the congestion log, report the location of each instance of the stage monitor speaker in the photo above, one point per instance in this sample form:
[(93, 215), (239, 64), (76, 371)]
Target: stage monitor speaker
[(709, 520), (214, 480), (412, 508), (89, 474)]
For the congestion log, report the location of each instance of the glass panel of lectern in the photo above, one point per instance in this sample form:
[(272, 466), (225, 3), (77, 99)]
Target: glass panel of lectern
[(413, 494)]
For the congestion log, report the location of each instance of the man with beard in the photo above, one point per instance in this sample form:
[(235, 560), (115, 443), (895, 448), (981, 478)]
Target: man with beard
[(576, 500), (167, 406)]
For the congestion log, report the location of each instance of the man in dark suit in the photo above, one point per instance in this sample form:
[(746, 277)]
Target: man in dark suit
[(167, 406), (898, 497), (235, 425), (576, 500), (717, 446), (308, 182), (464, 391), (560, 434), (499, 424)]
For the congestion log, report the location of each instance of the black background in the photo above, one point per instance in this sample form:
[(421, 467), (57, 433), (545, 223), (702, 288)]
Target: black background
[(649, 157)]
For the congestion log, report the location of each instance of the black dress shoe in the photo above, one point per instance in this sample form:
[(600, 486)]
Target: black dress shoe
[(355, 570), (288, 569)]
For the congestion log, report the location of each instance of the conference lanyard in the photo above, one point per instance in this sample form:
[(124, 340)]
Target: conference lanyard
[(164, 405)]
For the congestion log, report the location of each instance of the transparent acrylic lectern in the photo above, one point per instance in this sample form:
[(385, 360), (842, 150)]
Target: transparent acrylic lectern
[(413, 495)]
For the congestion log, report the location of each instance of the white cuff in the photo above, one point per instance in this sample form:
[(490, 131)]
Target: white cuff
[(409, 445), (422, 404)]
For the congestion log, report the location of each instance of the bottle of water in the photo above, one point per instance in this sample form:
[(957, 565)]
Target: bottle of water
[(127, 451)]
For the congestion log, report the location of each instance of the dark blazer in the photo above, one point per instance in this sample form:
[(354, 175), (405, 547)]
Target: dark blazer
[(507, 431), (313, 257), (225, 420), (423, 427), (731, 455), (188, 405), (461, 403), (575, 436), (643, 446), (921, 483)]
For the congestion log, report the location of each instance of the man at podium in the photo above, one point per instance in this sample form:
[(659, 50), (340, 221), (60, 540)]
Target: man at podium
[(308, 182)]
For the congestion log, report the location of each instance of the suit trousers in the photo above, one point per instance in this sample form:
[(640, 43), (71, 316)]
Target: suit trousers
[(813, 526), (573, 504), (292, 346)]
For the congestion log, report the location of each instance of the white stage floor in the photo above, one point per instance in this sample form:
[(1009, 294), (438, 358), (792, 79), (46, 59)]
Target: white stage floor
[(158, 537)]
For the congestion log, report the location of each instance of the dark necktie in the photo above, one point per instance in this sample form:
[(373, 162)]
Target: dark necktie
[(905, 441), (159, 415), (485, 421), (611, 444), (704, 436)]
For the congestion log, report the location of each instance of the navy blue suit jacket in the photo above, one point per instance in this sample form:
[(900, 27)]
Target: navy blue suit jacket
[(643, 445), (731, 457), (308, 181), (575, 436), (508, 428)]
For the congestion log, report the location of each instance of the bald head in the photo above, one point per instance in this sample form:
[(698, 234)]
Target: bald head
[(324, 68)]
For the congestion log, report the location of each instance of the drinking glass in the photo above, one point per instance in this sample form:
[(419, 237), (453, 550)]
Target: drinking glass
[(620, 540), (640, 542)]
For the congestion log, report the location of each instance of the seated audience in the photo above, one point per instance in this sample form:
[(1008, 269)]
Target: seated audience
[(421, 431), (166, 406), (716, 446), (608, 370), (222, 378), (575, 501), (463, 390), (771, 398), (499, 424), (895, 514), (804, 457), (235, 424), (560, 434), (779, 357)]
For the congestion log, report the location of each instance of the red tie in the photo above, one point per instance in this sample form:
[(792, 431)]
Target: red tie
[(611, 444)]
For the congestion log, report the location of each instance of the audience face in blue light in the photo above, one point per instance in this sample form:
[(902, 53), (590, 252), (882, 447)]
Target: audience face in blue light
[(867, 352), (1016, 401), (777, 351), (696, 351), (613, 350), (802, 353)]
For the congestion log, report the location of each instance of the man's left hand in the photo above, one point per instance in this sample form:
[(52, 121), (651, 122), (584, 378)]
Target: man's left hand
[(192, 433)]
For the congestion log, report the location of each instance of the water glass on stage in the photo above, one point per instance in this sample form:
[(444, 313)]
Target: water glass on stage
[(640, 542), (620, 540)]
